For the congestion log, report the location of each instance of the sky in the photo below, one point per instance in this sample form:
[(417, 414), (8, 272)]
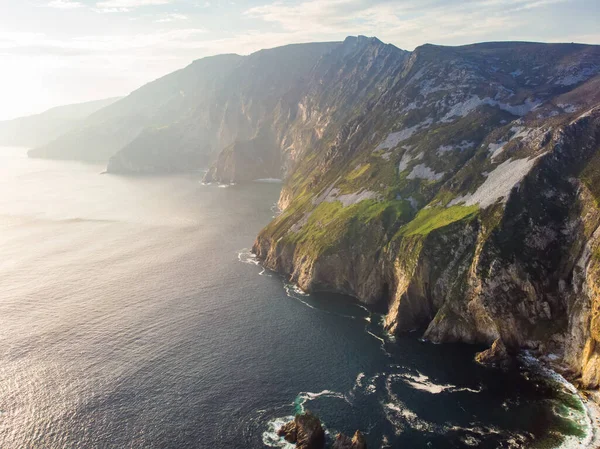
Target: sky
[(55, 52)]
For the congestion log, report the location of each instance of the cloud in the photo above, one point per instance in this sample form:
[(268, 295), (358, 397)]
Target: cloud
[(64, 4), (127, 5), (172, 17), (406, 22), (20, 43)]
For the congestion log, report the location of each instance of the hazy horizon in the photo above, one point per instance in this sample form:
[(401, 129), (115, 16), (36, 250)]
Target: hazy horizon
[(59, 52)]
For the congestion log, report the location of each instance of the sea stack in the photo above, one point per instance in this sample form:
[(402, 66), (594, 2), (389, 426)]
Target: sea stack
[(305, 431), (344, 442)]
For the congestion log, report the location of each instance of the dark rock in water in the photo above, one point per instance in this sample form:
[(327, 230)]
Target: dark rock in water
[(496, 355), (305, 431), (289, 432), (344, 442)]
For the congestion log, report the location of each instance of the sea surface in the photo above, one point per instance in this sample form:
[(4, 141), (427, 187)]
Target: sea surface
[(133, 315)]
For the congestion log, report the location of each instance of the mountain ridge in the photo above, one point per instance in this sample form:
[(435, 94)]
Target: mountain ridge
[(456, 187), (48, 125)]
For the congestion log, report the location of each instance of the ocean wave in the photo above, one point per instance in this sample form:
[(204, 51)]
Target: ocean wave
[(582, 419), (295, 292), (276, 210), (365, 385), (422, 382), (269, 180), (270, 437), (247, 256), (399, 415), (307, 396), (401, 418)]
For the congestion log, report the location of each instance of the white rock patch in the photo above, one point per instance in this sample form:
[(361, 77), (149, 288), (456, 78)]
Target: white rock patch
[(568, 108), (496, 148), (413, 202), (445, 149), (466, 107), (568, 79), (462, 146), (422, 171), (498, 184), (407, 159), (356, 197), (395, 138)]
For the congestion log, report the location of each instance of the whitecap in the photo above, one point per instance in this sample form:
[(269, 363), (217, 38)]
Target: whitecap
[(247, 256), (399, 415), (583, 419), (306, 396), (269, 180), (359, 379), (423, 383), (270, 437)]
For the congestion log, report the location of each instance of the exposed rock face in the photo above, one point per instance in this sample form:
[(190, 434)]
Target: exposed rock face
[(344, 442), (305, 431), (459, 186), (182, 121), (504, 245), (496, 355)]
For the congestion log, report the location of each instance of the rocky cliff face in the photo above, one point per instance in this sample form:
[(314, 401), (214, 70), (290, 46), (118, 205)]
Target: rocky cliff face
[(457, 186), (462, 192), (182, 121)]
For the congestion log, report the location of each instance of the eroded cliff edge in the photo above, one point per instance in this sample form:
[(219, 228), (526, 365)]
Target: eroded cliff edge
[(464, 197)]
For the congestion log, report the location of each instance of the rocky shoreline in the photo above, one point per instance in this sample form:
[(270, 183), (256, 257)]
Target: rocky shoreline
[(306, 432)]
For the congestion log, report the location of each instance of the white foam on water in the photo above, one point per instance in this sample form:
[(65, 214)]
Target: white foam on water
[(401, 416), (247, 256), (376, 336), (270, 437), (306, 396), (269, 180), (583, 419), (359, 379), (421, 382), (295, 292), (276, 210), (368, 317)]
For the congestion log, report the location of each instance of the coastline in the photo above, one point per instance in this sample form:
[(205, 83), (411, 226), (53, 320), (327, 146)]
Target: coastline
[(591, 401)]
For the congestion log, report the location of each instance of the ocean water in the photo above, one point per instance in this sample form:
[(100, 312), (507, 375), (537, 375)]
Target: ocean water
[(132, 315)]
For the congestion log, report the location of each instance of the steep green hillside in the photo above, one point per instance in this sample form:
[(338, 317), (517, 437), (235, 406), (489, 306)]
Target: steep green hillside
[(460, 193)]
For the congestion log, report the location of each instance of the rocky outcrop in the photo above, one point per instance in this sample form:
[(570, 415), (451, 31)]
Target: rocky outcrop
[(496, 355), (344, 442), (305, 431)]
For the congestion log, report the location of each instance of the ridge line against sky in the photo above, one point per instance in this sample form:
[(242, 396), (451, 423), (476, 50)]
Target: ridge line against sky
[(56, 52)]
